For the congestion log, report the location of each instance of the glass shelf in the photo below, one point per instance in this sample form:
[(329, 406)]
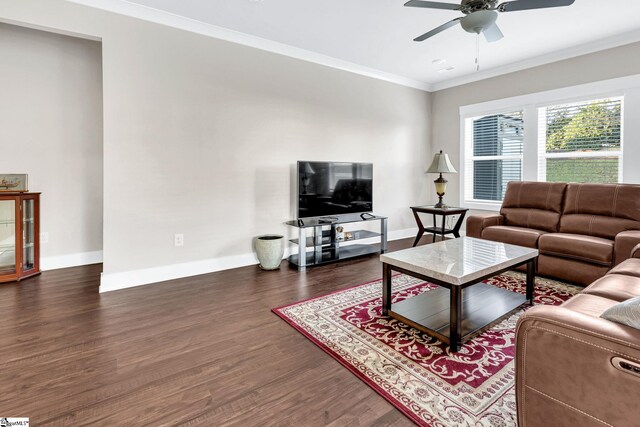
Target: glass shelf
[(332, 256), (326, 237), (7, 270)]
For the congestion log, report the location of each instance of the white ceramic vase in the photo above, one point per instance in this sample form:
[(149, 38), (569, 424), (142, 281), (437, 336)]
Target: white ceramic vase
[(270, 249)]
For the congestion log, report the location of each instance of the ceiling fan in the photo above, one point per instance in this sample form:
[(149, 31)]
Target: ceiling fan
[(481, 15)]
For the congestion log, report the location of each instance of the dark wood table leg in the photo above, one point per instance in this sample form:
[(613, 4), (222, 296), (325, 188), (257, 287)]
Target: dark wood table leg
[(420, 229), (443, 228), (456, 229), (455, 322), (531, 278), (386, 289), (434, 226)]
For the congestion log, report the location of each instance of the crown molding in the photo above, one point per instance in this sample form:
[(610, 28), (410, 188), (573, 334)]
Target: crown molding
[(573, 52), (146, 13)]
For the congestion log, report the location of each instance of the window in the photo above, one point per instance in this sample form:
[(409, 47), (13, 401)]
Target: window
[(581, 142), (496, 142), (574, 134)]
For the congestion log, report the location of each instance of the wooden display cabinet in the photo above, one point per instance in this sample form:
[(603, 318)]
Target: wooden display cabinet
[(19, 236)]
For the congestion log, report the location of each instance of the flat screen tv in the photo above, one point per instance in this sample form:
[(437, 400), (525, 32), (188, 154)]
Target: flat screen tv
[(334, 188)]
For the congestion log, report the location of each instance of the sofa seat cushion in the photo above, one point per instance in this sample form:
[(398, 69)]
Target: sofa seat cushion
[(513, 235), (630, 267), (616, 287), (591, 305), (595, 250)]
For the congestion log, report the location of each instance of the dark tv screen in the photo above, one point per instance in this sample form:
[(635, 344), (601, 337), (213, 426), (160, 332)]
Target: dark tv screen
[(334, 188)]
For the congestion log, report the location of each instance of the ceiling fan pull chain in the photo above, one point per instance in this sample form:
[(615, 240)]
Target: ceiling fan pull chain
[(478, 52)]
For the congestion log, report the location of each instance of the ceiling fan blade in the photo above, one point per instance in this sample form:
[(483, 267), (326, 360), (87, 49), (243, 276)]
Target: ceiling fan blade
[(432, 5), (493, 33), (435, 31), (514, 6)]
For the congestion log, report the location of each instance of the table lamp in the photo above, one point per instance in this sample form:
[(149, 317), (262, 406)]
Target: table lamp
[(441, 164)]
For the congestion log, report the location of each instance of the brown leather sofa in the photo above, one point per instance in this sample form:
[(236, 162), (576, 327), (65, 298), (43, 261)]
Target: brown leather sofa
[(574, 368), (581, 230)]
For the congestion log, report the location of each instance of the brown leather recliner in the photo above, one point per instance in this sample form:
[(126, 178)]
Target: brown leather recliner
[(574, 368), (581, 230), (598, 229), (529, 210)]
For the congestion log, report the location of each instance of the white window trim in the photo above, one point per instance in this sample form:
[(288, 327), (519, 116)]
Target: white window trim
[(468, 148), (627, 87)]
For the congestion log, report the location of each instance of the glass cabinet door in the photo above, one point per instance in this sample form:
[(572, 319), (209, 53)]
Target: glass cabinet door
[(28, 235), (7, 236)]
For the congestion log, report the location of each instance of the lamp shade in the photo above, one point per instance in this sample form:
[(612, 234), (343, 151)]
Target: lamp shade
[(441, 164)]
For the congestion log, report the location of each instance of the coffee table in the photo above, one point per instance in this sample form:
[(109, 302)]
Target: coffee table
[(447, 313)]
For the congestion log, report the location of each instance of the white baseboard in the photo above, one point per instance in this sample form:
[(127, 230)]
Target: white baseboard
[(403, 234), (129, 279), (70, 260)]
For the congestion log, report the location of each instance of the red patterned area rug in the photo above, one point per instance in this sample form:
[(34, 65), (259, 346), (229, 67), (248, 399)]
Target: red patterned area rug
[(416, 373)]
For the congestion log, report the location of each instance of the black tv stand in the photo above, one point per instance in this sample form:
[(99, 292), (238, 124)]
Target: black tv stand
[(324, 245)]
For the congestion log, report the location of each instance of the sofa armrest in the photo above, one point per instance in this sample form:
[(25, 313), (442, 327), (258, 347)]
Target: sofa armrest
[(625, 245), (635, 253), (478, 222), (565, 373)]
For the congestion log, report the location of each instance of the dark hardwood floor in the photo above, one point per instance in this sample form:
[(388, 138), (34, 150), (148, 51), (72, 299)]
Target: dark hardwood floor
[(204, 350)]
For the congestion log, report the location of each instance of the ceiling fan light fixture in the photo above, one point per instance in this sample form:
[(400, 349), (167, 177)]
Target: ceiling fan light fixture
[(479, 21)]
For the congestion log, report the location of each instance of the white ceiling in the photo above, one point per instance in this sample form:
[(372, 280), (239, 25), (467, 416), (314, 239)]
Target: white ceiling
[(378, 34)]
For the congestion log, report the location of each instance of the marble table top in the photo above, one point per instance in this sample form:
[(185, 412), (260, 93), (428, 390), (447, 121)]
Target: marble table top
[(459, 261)]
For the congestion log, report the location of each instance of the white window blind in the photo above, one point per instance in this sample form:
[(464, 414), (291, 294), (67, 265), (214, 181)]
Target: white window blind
[(581, 142), (496, 143)]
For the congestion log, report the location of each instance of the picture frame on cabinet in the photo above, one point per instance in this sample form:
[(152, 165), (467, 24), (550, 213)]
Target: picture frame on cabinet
[(14, 182)]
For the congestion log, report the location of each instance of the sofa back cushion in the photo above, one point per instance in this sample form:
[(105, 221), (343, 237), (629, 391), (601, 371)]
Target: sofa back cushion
[(533, 205), (601, 210)]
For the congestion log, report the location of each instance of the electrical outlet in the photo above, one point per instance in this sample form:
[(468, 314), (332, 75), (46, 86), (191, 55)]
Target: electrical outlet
[(44, 238), (178, 240)]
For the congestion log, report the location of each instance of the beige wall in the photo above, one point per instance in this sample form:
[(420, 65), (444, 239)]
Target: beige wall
[(51, 129), (608, 64), (209, 130), (200, 137)]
